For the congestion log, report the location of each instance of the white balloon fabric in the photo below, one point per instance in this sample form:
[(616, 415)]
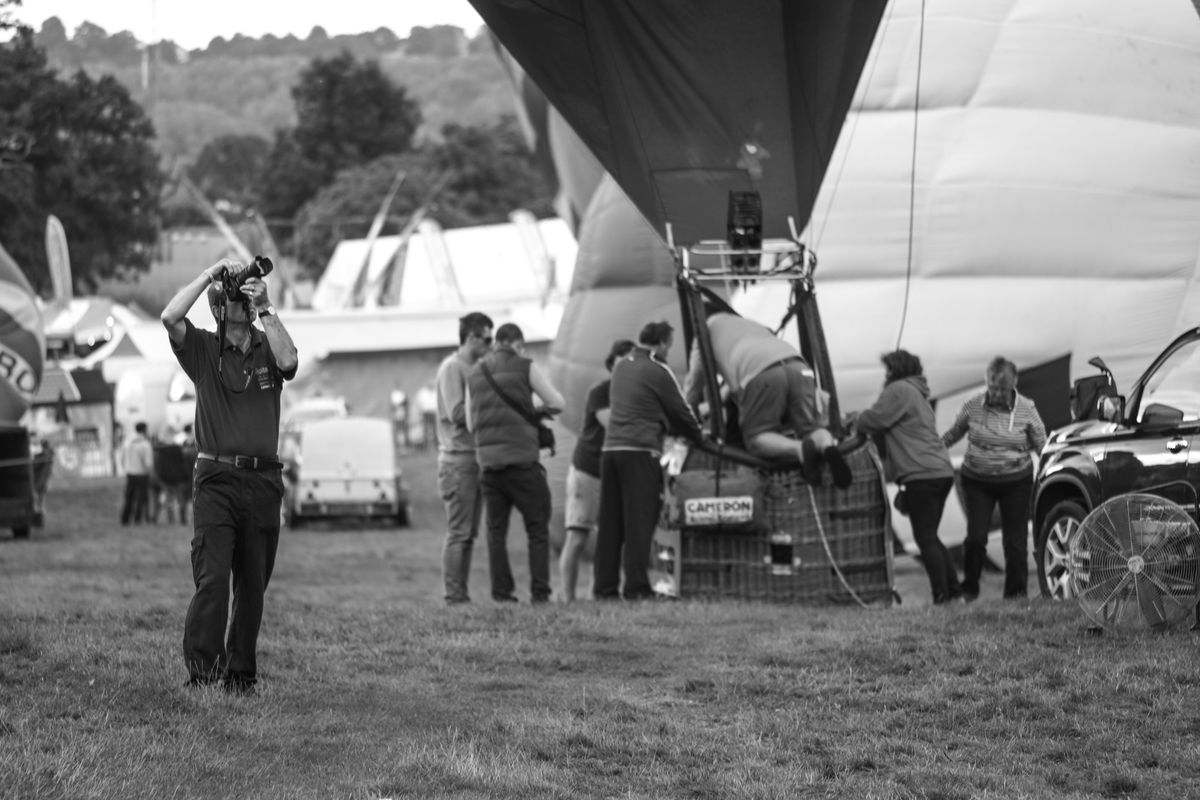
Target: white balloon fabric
[(1054, 196), (1057, 192)]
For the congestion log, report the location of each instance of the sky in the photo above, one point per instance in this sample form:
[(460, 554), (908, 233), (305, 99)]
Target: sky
[(194, 23)]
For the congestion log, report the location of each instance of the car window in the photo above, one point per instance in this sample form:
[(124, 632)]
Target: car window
[(1176, 383)]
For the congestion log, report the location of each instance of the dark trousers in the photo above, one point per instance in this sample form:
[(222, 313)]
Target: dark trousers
[(136, 507), (926, 502), (236, 513), (524, 487), (630, 503), (1013, 499)]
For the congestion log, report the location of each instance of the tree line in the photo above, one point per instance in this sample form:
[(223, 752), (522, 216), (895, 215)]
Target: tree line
[(93, 159)]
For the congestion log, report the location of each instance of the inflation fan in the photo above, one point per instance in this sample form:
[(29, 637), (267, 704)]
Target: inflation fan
[(1134, 562)]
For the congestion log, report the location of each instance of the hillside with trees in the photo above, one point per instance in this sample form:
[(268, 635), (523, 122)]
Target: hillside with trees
[(242, 85), (306, 135)]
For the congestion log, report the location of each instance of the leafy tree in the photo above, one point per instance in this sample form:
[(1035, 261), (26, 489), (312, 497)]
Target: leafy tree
[(346, 207), (91, 163), (229, 171), (6, 9), (441, 41), (348, 113), (488, 173), (492, 172)]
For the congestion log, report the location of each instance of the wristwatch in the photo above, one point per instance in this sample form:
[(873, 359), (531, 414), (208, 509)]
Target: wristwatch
[(266, 312)]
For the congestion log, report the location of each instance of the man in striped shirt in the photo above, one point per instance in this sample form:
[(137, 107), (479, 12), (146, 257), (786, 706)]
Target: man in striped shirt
[(1004, 433)]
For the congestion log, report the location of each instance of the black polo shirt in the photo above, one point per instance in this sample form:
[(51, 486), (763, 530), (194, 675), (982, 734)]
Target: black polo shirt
[(237, 412)]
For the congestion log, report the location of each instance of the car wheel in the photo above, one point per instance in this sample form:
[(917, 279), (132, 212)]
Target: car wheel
[(402, 517), (21, 532), (1053, 549)]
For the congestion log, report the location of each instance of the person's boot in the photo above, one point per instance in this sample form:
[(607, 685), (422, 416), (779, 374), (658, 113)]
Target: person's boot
[(810, 462), (839, 470)]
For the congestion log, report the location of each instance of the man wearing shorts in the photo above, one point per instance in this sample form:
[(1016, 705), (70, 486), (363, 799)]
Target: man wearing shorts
[(583, 475), (775, 392)]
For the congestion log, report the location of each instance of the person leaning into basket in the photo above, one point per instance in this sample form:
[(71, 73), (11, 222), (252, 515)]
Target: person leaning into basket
[(238, 479), (1004, 434), (916, 459), (776, 395), (646, 404)]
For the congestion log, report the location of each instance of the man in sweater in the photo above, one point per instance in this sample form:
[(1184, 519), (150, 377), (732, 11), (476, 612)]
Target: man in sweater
[(506, 447), (776, 395), (646, 404), (458, 471)]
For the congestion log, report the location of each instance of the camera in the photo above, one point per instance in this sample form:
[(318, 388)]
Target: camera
[(231, 283)]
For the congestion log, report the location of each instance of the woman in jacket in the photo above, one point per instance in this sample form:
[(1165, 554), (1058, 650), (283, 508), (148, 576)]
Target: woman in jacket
[(1004, 432), (916, 459)]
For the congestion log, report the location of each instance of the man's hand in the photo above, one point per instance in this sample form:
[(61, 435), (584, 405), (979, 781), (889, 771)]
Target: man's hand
[(256, 291), (217, 270)]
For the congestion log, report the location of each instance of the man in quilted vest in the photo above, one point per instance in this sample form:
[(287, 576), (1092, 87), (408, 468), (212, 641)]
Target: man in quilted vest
[(501, 414)]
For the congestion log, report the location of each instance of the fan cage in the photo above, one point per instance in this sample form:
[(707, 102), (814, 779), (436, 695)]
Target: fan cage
[(1135, 563)]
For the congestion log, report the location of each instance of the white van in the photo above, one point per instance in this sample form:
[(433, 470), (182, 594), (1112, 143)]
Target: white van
[(347, 468)]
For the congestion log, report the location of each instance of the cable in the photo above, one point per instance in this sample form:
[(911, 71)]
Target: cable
[(912, 181)]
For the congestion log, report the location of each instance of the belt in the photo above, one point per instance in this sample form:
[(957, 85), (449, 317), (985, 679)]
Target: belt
[(243, 462)]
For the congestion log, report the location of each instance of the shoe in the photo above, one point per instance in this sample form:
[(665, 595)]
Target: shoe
[(238, 686), (539, 599), (970, 597), (810, 462), (838, 468), (505, 598)]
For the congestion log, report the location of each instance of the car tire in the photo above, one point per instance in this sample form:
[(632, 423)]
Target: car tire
[(1052, 555), (402, 517), (21, 532)]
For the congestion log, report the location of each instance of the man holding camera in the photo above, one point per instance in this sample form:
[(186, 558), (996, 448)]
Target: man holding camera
[(238, 487)]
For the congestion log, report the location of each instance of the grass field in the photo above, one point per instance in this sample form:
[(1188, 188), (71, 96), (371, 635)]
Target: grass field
[(371, 688)]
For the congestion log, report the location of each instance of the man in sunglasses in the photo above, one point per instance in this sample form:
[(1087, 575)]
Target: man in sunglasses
[(238, 483), (458, 471)]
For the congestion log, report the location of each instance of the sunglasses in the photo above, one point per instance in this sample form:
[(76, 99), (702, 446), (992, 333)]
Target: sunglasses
[(485, 339)]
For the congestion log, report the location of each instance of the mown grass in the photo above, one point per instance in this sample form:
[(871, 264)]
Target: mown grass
[(371, 688)]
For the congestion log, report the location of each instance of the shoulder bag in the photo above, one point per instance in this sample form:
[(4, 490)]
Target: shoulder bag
[(545, 435)]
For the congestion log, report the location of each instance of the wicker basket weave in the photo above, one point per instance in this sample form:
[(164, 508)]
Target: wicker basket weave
[(789, 561)]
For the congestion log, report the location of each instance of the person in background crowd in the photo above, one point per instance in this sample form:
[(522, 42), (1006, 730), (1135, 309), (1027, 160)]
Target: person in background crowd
[(776, 395), (1004, 435), (170, 479), (583, 475), (458, 469), (186, 440), (238, 481), (139, 463), (506, 446), (646, 405), (916, 459), (426, 402)]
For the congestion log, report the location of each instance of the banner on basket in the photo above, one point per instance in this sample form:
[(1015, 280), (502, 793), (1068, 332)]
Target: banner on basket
[(731, 498), (718, 510)]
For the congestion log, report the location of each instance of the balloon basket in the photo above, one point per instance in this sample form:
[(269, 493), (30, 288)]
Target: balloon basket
[(816, 545)]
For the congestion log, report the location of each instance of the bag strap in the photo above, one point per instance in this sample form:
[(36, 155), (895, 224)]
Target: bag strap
[(530, 418)]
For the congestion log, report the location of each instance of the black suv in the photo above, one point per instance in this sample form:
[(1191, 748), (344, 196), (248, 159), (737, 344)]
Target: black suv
[(1140, 442)]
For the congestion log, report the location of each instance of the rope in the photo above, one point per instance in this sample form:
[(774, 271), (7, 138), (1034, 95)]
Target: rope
[(812, 498), (912, 181)]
